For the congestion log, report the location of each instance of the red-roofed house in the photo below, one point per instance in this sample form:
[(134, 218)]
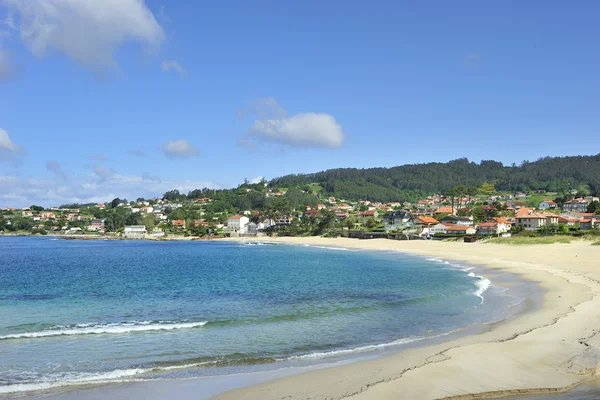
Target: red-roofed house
[(178, 223), (588, 223), (576, 205), (445, 210), (367, 214)]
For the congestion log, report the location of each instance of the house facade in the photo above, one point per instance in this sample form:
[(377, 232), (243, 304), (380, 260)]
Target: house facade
[(396, 220), (546, 205), (238, 223), (533, 221), (134, 230), (454, 220), (576, 205), (589, 223)]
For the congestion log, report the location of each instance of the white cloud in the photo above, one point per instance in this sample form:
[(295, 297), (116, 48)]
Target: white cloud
[(19, 192), (256, 180), (179, 149), (54, 166), (300, 130), (168, 65), (87, 31), (8, 149)]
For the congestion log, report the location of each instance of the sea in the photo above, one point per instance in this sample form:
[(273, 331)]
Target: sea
[(81, 312)]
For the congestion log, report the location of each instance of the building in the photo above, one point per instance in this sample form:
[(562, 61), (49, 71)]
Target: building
[(396, 220), (533, 221), (587, 224), (460, 230), (368, 214), (423, 223), (445, 210), (454, 220), (238, 223), (545, 205), (451, 229), (134, 231), (494, 226), (96, 225), (576, 205), (178, 223)]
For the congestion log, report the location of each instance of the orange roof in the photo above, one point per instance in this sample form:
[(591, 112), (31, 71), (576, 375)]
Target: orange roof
[(235, 217), (428, 220), (502, 220), (457, 227), (585, 221), (485, 224), (523, 211), (444, 210)]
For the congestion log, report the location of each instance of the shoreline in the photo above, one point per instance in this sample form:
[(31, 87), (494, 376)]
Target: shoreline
[(451, 368), (550, 350), (204, 386)]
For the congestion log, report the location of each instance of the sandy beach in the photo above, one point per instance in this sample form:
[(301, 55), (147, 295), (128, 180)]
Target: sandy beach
[(550, 350)]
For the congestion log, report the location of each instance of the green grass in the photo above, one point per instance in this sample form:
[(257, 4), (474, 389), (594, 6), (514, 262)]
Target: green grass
[(315, 187), (525, 240), (596, 243)]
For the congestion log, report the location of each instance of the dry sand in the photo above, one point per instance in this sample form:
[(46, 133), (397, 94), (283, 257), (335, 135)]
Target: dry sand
[(551, 349)]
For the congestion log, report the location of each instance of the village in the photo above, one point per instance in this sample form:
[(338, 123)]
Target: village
[(436, 216)]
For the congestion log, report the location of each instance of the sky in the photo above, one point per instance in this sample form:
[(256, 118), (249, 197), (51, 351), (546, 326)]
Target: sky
[(131, 98)]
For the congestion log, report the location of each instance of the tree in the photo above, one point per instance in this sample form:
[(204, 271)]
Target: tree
[(36, 208), (479, 215), (115, 202), (594, 207), (487, 188)]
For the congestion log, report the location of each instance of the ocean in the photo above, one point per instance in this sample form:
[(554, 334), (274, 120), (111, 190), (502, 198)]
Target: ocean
[(75, 312)]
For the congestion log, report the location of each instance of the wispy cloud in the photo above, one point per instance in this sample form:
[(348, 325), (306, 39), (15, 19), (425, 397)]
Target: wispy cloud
[(86, 31), (19, 192), (179, 149), (98, 157), (169, 65), (137, 153), (472, 59), (9, 150), (7, 68), (103, 173), (54, 166)]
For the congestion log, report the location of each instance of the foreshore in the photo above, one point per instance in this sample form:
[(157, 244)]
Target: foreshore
[(547, 351)]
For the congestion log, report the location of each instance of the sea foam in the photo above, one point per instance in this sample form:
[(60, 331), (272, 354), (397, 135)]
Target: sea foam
[(110, 328), (120, 375)]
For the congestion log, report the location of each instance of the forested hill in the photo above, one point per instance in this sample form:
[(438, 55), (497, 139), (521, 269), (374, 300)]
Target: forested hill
[(410, 182)]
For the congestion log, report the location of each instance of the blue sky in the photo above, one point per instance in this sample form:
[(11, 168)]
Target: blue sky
[(130, 98)]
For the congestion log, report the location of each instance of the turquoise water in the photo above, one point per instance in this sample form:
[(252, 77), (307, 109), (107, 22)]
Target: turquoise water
[(74, 312)]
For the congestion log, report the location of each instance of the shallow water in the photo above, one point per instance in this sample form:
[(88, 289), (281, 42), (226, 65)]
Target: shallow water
[(77, 312)]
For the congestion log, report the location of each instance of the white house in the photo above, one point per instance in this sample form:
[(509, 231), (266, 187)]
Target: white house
[(134, 230), (238, 223), (438, 228), (545, 205)]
